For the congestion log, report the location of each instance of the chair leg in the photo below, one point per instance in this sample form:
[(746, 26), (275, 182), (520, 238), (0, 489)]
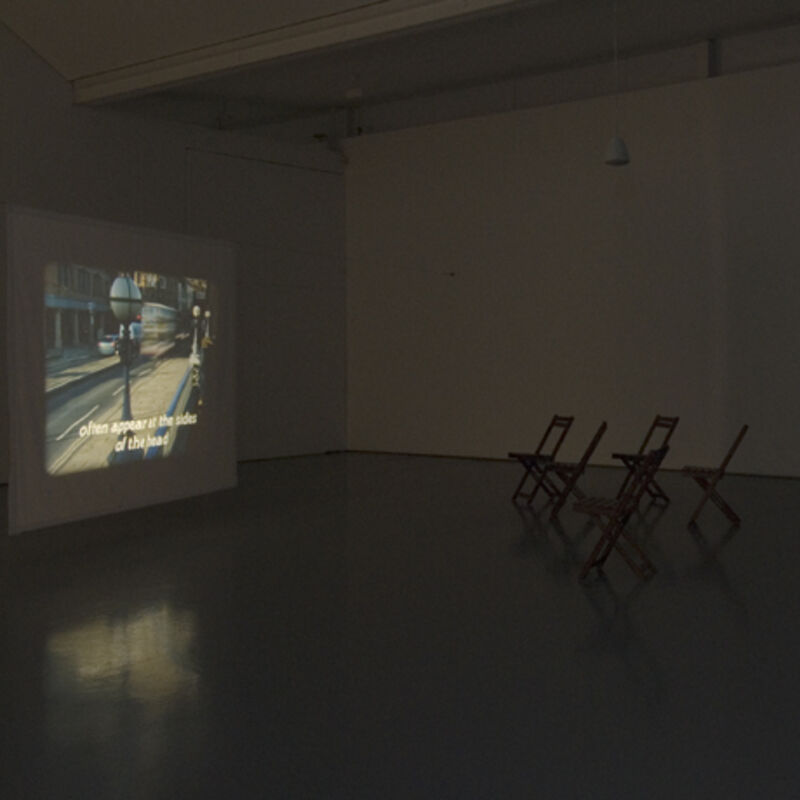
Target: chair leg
[(551, 490), (564, 493), (645, 568), (725, 508), (539, 484), (593, 558), (625, 482), (518, 490), (711, 493), (708, 488), (610, 540), (531, 471), (558, 505), (656, 492)]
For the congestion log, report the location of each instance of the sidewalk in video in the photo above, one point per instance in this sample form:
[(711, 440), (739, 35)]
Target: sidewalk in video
[(85, 426)]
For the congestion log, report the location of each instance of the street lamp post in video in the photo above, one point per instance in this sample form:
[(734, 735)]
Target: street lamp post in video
[(92, 335), (126, 304), (195, 358)]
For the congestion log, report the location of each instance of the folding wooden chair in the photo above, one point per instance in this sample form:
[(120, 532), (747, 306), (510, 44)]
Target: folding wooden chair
[(566, 475), (631, 460), (613, 515), (533, 462), (708, 478)]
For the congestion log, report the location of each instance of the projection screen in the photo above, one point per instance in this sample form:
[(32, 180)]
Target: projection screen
[(120, 353)]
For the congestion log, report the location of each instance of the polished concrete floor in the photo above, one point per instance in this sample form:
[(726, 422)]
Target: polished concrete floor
[(355, 626)]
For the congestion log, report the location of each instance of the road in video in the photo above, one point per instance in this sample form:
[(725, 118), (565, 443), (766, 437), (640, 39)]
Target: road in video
[(127, 360)]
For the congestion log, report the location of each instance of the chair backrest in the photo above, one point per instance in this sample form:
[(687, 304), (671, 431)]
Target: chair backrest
[(559, 426), (667, 423), (644, 473), (736, 442)]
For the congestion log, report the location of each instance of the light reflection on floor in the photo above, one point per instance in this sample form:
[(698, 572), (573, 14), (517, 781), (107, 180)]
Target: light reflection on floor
[(109, 676), (147, 655)]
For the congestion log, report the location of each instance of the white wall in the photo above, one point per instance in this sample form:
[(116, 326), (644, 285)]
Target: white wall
[(499, 272), (288, 221), (289, 224)]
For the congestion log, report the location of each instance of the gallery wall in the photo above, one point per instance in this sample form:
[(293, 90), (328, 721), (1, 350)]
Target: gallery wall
[(499, 272), (282, 206)]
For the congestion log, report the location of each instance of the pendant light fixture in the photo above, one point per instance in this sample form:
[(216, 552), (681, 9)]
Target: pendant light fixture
[(617, 151)]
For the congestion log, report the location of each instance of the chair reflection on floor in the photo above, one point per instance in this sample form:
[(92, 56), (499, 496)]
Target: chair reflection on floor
[(708, 478), (613, 515)]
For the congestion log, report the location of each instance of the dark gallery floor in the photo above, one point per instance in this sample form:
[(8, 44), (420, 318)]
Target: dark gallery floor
[(355, 626)]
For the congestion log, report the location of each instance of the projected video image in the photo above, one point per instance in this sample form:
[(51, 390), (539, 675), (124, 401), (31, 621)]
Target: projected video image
[(127, 364)]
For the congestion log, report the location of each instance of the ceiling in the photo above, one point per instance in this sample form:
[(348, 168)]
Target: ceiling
[(208, 61)]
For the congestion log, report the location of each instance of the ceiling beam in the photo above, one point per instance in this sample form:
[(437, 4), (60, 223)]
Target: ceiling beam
[(368, 21)]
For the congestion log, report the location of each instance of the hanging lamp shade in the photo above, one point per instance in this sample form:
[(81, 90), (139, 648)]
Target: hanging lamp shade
[(617, 152)]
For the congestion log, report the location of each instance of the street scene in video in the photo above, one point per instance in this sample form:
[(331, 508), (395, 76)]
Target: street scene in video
[(127, 363)]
